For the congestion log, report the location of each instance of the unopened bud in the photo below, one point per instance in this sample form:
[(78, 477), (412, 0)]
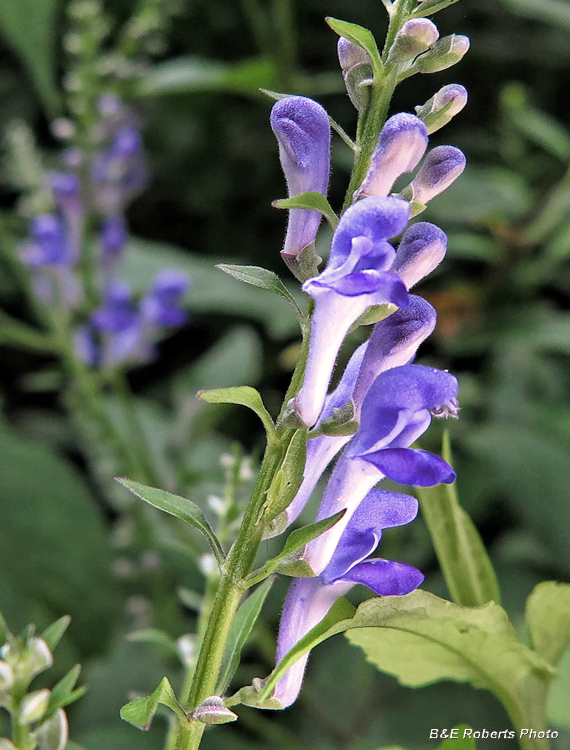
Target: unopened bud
[(33, 706), (54, 733), (416, 36), (356, 71), (422, 249), (446, 52), (6, 676), (6, 744), (213, 711), (442, 166), (442, 107), (401, 145), (37, 658)]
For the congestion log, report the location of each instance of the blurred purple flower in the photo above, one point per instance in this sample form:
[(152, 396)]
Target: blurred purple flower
[(161, 306)]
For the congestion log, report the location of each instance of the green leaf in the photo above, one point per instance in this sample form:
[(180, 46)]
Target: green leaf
[(430, 7), (464, 562), (52, 540), (459, 743), (141, 711), (548, 618), (156, 638), (179, 507), (53, 634), (312, 200), (63, 693), (265, 279), (295, 541), (28, 27), (240, 630), (243, 395), (363, 38), (335, 621), (15, 333), (559, 694), (189, 75), (422, 639)]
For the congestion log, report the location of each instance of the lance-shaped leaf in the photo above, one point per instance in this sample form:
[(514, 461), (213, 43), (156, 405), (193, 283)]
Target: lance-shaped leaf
[(548, 619), (63, 693), (180, 507), (313, 200), (141, 711), (429, 7), (363, 38), (243, 395), (54, 632), (295, 541), (240, 630), (15, 333), (261, 277), (464, 562), (422, 639)]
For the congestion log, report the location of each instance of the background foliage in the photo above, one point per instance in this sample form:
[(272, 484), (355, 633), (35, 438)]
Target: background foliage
[(504, 327)]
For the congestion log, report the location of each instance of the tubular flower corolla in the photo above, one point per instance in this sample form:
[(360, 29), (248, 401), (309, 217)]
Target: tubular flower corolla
[(302, 129), (394, 342), (396, 412), (401, 144), (357, 276), (309, 599)]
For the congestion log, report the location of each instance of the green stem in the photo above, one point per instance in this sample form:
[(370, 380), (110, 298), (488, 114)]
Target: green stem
[(238, 565)]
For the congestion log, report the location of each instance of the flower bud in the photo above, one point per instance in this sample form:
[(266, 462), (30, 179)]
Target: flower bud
[(53, 734), (37, 657), (442, 166), (6, 676), (356, 71), (302, 129), (6, 744), (416, 36), (446, 52), (401, 144), (33, 706), (422, 249), (213, 711), (442, 107)]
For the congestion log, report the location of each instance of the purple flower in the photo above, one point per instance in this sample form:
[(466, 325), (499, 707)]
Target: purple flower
[(118, 327), (309, 599), (355, 278), (119, 173), (113, 238), (442, 166), (302, 129), (394, 342), (161, 306), (396, 411), (421, 250), (401, 144), (49, 244)]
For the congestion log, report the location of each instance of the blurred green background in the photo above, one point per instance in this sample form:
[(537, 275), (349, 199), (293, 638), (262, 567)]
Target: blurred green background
[(502, 297)]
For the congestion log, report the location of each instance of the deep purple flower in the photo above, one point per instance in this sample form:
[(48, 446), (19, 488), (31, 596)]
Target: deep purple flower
[(118, 328), (401, 144), (394, 342), (355, 278), (161, 306), (442, 166), (302, 129), (396, 411), (309, 599)]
